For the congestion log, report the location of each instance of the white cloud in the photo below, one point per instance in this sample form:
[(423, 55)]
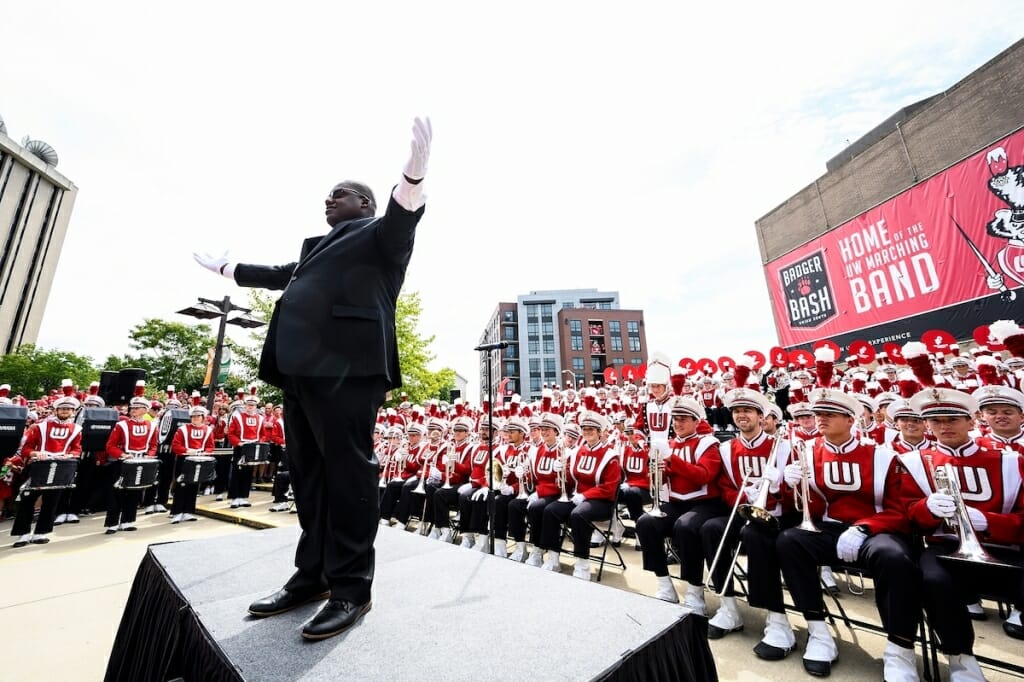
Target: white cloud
[(626, 147)]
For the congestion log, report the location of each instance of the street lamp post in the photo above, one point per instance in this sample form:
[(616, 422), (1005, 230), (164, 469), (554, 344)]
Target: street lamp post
[(208, 309), (575, 384)]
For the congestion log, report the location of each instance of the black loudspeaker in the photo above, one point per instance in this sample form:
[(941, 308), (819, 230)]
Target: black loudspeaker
[(455, 394), (169, 423), (12, 428), (108, 384), (123, 386), (96, 423)]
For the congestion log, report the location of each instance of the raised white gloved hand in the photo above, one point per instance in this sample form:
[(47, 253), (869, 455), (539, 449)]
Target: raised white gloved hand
[(849, 543), (219, 265), (774, 478), (520, 471), (624, 485), (941, 505), (416, 166), (465, 488), (479, 495), (507, 490), (578, 499), (532, 498), (978, 519), (556, 466), (793, 474)]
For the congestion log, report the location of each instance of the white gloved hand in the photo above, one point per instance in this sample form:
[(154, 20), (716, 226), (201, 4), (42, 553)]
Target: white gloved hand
[(479, 495), (751, 491), (507, 490), (793, 474), (520, 471), (219, 265), (556, 466), (532, 498), (578, 499), (774, 478), (849, 543), (978, 519), (624, 486), (416, 166), (465, 488), (995, 281), (434, 476), (941, 505)]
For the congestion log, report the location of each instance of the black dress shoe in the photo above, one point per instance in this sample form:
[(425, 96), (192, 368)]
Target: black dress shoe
[(334, 618), (40, 541), (818, 668), (715, 632), (20, 543), (285, 600), (767, 652), (1011, 629)]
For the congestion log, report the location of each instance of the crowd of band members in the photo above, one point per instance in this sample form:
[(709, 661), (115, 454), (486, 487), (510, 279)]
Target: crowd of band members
[(867, 459), (51, 431)]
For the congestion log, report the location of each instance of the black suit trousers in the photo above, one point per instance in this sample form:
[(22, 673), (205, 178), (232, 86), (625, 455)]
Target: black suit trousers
[(334, 476)]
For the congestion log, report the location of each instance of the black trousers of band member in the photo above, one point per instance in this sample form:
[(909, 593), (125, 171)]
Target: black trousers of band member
[(410, 502), (579, 517), (635, 498), (888, 560), (73, 500), (240, 484), (535, 515), (473, 513), (948, 588), (389, 500), (26, 507), (122, 503), (282, 479), (335, 476), (223, 468), (185, 498), (159, 493), (711, 534), (681, 523), (517, 513), (444, 500)]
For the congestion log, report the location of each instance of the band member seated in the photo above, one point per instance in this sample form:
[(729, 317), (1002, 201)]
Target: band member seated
[(56, 438), (593, 473), (244, 428), (910, 426), (409, 479), (473, 499), (772, 419), (549, 472), (455, 463), (745, 473), (516, 454), (853, 513), (804, 428), (395, 470), (635, 491), (961, 494), (418, 491), (190, 440), (689, 464), (130, 438)]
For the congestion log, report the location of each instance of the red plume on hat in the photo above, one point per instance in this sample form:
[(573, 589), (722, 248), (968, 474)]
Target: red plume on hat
[(908, 384), (859, 382), (547, 395), (884, 381), (5, 390), (590, 399), (485, 406), (525, 411), (1010, 335), (988, 371), (460, 408), (678, 380), (240, 393), (853, 361), (741, 373), (916, 355), (824, 359), (140, 388), (197, 399), (954, 348), (67, 387), (514, 405), (796, 392), (94, 388)]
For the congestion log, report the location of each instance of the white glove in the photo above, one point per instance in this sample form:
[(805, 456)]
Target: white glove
[(578, 499), (793, 474), (479, 495), (751, 491), (532, 498), (507, 490), (434, 476), (772, 475), (849, 543), (465, 488), (216, 264), (941, 505), (520, 471), (557, 466), (995, 281), (624, 485), (661, 447), (416, 166), (978, 519)]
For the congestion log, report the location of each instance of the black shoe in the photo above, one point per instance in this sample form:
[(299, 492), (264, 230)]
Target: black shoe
[(39, 541), (110, 531), (20, 543), (285, 600), (715, 632), (768, 652), (1011, 629), (336, 616), (818, 668)]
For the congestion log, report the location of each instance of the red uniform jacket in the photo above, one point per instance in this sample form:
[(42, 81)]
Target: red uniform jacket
[(659, 418), (595, 471), (478, 457), (245, 428), (59, 439), (747, 459), (544, 476), (636, 458), (194, 438), (510, 456), (463, 463), (132, 438), (693, 468)]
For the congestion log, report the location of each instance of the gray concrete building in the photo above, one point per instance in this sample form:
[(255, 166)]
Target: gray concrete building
[(35, 207)]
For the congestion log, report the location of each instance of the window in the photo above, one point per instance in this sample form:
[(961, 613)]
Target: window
[(568, 305), (512, 386), (617, 362), (534, 367), (636, 361), (576, 326), (534, 383), (511, 369), (510, 333), (596, 365), (547, 328), (575, 342), (534, 346), (596, 329), (633, 327), (549, 367), (545, 310), (634, 344), (616, 342), (596, 347), (614, 327), (577, 365), (604, 305), (509, 316), (549, 345), (512, 352), (532, 330)]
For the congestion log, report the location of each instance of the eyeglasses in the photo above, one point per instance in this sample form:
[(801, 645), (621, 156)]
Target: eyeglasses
[(342, 191)]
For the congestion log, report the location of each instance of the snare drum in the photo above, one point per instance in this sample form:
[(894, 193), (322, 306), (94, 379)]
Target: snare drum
[(198, 469), (253, 454), (51, 474), (138, 472)]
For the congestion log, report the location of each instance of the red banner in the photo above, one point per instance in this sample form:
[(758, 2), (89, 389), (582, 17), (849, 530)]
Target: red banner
[(954, 238)]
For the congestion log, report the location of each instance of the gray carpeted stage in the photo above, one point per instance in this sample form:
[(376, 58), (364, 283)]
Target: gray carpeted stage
[(439, 611)]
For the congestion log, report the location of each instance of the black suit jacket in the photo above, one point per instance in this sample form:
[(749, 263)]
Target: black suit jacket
[(336, 317)]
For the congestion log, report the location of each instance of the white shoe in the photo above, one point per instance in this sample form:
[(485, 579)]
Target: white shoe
[(582, 569), (500, 548), (976, 611), (160, 509), (726, 620), (899, 664), (964, 668), (778, 640), (399, 525), (283, 506), (127, 526), (821, 651), (617, 530), (383, 522), (244, 502), (60, 519), (24, 539), (468, 540), (596, 539), (189, 517), (829, 579), (536, 558), (445, 535), (177, 518), (694, 600), (481, 542), (666, 590), (519, 554), (235, 504), (552, 563), (151, 509), (72, 518), (219, 498), (435, 533)]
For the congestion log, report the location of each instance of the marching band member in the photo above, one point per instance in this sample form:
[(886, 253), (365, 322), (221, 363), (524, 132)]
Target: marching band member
[(743, 458), (595, 474), (549, 472), (77, 500), (455, 463), (856, 505), (883, 430), (691, 464), (910, 426), (657, 411), (194, 438), (398, 498), (1001, 408), (516, 453), (709, 397), (430, 476), (772, 419), (134, 436), (244, 427), (805, 429), (396, 472), (991, 483), (59, 437), (635, 491), (473, 500)]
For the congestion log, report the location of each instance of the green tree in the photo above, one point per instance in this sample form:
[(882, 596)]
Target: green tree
[(33, 371), (170, 352)]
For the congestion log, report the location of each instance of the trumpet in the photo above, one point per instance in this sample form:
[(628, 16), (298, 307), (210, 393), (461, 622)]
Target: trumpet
[(802, 495), (657, 473), (421, 488), (563, 482), (757, 511), (449, 461), (521, 459)]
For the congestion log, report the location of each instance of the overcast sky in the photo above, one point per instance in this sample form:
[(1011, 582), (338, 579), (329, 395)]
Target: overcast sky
[(626, 147)]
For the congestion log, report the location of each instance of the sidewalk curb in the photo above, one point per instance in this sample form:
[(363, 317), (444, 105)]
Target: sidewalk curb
[(232, 518)]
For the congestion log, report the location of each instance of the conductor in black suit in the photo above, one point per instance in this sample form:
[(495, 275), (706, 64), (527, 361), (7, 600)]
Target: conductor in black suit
[(331, 348)]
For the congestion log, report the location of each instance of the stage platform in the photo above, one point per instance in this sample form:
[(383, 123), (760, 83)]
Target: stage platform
[(439, 611)]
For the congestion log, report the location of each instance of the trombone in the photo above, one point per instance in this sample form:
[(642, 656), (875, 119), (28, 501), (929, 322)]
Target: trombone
[(656, 476), (757, 511)]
